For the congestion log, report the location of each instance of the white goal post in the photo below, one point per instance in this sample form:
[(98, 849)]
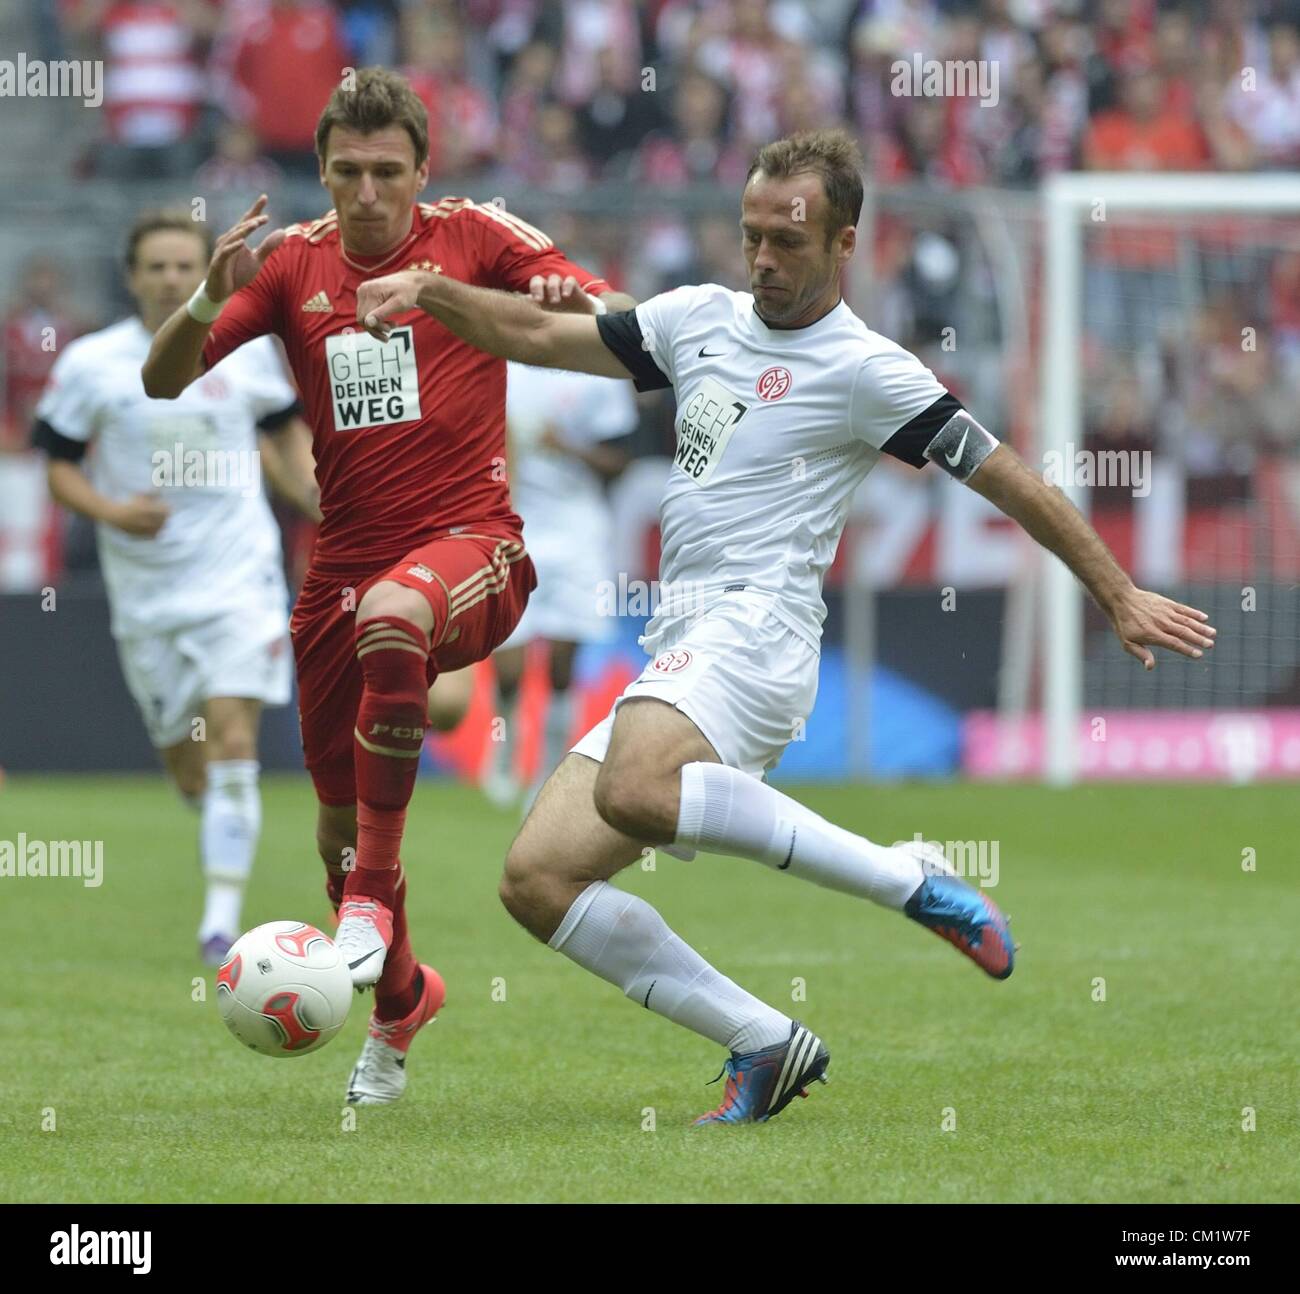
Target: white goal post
[(1071, 204)]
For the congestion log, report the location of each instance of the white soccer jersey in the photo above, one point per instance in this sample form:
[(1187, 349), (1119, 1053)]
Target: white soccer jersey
[(560, 498), (219, 550), (775, 430)]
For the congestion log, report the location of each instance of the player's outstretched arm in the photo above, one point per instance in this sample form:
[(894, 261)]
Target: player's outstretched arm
[(1141, 619), (552, 292), (176, 356), (500, 323)]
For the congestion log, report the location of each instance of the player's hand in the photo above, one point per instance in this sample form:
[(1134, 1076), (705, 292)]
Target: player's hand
[(378, 300), (552, 292), (234, 264), (1142, 620), (142, 516)]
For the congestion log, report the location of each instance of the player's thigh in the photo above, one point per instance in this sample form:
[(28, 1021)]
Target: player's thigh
[(232, 723), (564, 842), (329, 685), (650, 742), (474, 586)]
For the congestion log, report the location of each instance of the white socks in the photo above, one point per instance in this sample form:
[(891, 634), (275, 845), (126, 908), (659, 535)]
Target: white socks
[(621, 938), (725, 811), (232, 822)]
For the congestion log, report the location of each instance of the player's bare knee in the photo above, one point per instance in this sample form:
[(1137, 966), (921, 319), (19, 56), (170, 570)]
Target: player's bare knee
[(237, 744), (191, 783), (625, 797), (528, 892), (390, 599)]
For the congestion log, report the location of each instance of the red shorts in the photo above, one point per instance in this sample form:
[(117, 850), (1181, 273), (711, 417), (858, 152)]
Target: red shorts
[(487, 577)]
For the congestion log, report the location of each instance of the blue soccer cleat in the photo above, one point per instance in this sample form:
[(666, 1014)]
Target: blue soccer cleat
[(214, 948), (760, 1084), (968, 919)]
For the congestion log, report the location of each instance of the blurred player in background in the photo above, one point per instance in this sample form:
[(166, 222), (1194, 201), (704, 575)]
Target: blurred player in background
[(188, 547), (570, 434), (785, 401), (419, 566)]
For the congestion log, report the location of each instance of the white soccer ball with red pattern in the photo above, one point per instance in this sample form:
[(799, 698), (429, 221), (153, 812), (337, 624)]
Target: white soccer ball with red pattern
[(284, 989)]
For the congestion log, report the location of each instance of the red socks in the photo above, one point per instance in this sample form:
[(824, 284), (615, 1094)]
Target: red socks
[(393, 654), (398, 989)]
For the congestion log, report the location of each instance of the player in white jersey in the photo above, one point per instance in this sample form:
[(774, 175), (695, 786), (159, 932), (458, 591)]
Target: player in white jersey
[(785, 400), (189, 550), (569, 434)]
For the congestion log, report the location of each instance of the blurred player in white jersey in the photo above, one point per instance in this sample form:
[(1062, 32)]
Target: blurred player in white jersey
[(785, 401), (188, 547), (569, 435)]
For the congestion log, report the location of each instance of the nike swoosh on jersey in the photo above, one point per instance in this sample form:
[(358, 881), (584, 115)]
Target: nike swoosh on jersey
[(706, 354)]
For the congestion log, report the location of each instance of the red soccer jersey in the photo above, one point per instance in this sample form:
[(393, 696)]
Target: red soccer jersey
[(409, 433)]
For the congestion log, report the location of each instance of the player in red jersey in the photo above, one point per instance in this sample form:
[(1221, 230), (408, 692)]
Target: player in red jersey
[(419, 566)]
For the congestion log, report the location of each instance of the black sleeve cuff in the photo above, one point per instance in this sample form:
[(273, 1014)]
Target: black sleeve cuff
[(909, 442), (280, 418), (55, 445), (621, 332)]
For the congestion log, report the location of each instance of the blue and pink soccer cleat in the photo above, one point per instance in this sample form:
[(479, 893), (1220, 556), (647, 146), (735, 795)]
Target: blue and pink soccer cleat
[(760, 1084), (968, 919)]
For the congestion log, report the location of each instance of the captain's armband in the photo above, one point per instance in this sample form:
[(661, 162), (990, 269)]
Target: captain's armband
[(960, 446)]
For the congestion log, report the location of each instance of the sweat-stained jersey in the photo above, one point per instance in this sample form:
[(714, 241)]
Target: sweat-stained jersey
[(409, 433)]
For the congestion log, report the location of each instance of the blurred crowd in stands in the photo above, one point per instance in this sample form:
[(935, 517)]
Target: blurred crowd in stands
[(558, 95), (562, 92)]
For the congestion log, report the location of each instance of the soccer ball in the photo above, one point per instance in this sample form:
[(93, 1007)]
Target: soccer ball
[(284, 989)]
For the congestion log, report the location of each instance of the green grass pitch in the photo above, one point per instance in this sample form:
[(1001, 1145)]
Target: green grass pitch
[(550, 1094)]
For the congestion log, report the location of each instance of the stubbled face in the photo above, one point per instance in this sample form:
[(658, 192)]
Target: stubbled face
[(794, 276), (373, 181), (169, 265)]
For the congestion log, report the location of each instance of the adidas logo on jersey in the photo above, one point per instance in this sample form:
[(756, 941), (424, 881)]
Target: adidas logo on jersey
[(320, 304)]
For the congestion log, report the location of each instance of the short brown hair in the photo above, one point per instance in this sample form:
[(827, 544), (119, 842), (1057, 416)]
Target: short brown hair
[(379, 98), (177, 218), (830, 154)]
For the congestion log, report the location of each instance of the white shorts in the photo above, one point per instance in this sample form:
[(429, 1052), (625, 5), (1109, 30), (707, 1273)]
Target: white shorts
[(566, 605), (171, 675), (744, 678)]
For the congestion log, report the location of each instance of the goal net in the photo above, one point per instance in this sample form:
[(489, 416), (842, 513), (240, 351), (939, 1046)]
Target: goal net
[(1170, 385)]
